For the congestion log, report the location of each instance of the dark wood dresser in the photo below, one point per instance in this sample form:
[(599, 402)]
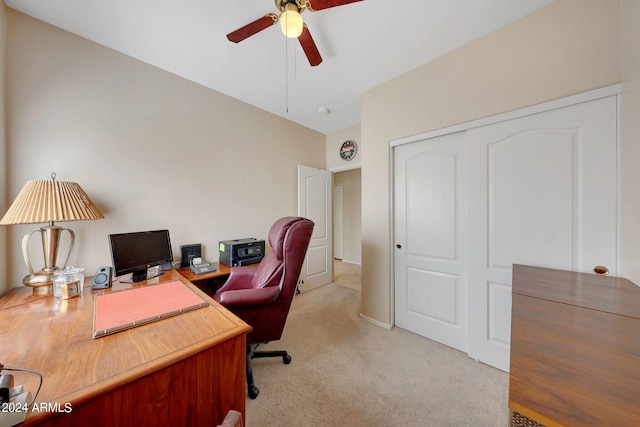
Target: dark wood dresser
[(575, 349)]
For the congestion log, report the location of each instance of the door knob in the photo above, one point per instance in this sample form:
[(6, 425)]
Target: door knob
[(399, 246)]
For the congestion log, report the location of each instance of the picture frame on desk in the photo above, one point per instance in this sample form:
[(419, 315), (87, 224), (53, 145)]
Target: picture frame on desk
[(188, 253)]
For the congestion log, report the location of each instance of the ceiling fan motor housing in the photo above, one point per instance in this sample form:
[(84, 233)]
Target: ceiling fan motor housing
[(299, 4)]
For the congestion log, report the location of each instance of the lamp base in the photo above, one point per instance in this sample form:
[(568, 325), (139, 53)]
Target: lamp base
[(41, 282)]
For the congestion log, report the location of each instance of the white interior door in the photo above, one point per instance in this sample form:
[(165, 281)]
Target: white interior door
[(314, 202), (430, 237), (543, 191)]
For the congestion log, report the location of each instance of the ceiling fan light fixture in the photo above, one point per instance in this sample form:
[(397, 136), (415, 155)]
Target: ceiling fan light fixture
[(291, 21)]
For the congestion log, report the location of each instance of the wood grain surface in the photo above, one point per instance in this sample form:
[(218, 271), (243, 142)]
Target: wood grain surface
[(575, 348), (186, 362)]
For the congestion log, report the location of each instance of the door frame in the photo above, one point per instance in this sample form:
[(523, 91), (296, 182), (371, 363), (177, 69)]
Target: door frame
[(336, 169), (592, 95), (338, 229)]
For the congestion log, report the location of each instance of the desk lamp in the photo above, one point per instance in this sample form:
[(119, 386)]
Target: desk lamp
[(49, 201)]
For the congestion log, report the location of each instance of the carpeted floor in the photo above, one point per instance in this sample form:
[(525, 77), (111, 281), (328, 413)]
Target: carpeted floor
[(348, 372)]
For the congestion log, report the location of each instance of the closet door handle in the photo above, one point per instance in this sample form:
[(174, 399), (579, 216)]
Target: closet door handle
[(399, 246)]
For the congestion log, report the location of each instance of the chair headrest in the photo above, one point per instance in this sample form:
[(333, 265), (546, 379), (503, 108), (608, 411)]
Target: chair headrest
[(278, 233)]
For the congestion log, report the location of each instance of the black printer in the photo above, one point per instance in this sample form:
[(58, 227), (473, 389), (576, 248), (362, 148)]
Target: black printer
[(241, 252)]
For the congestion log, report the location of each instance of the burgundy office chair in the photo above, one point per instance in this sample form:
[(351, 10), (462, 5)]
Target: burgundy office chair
[(261, 294)]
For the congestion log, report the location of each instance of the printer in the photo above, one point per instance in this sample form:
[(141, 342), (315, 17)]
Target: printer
[(241, 252)]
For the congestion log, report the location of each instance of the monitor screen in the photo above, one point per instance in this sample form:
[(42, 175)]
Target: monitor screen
[(136, 252)]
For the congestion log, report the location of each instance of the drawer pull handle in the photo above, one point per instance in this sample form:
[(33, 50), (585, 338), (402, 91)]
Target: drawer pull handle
[(601, 270)]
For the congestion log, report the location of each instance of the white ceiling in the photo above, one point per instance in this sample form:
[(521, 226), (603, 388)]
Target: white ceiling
[(363, 44)]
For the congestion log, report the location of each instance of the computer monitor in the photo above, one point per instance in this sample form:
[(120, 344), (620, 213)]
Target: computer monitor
[(136, 252)]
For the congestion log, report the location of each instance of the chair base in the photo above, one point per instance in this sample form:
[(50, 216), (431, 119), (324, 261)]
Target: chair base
[(252, 390)]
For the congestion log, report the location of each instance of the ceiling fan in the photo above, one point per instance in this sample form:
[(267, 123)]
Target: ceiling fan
[(291, 24)]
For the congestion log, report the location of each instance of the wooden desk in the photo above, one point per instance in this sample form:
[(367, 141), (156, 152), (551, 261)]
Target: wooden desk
[(575, 349), (204, 281), (187, 370)]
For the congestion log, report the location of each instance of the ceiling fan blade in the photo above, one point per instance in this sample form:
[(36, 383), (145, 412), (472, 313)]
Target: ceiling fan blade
[(314, 5), (309, 47), (253, 28)]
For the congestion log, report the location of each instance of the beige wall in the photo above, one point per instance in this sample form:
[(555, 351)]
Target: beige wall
[(350, 180), (152, 150), (334, 142), (630, 147), (566, 48), (347, 173), (3, 170)]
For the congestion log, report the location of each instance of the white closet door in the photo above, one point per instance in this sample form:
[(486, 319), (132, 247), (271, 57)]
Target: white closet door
[(543, 191), (430, 238)]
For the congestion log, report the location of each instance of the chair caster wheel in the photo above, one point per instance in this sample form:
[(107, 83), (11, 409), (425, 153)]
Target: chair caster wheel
[(286, 359), (254, 392)]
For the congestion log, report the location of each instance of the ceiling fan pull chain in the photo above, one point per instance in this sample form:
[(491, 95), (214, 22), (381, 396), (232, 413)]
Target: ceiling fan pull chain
[(286, 75), (295, 64)]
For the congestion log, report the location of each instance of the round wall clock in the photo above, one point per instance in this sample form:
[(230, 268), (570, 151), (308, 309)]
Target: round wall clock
[(348, 150)]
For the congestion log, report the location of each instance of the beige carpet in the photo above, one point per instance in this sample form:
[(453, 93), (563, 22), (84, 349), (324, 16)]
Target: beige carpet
[(348, 372)]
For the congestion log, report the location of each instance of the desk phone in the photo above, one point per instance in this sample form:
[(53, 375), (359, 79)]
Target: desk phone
[(202, 268)]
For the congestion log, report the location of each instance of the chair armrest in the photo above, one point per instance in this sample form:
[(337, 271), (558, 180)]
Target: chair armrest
[(243, 271), (239, 278), (233, 419), (248, 296)]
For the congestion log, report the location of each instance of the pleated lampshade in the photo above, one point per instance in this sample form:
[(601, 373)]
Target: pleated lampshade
[(51, 201)]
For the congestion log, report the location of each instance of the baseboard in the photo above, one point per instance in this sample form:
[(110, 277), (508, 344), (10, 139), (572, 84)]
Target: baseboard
[(346, 261), (376, 322)]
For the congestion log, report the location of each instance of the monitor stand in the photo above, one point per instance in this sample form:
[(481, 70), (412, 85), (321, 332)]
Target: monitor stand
[(166, 266), (142, 274)]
